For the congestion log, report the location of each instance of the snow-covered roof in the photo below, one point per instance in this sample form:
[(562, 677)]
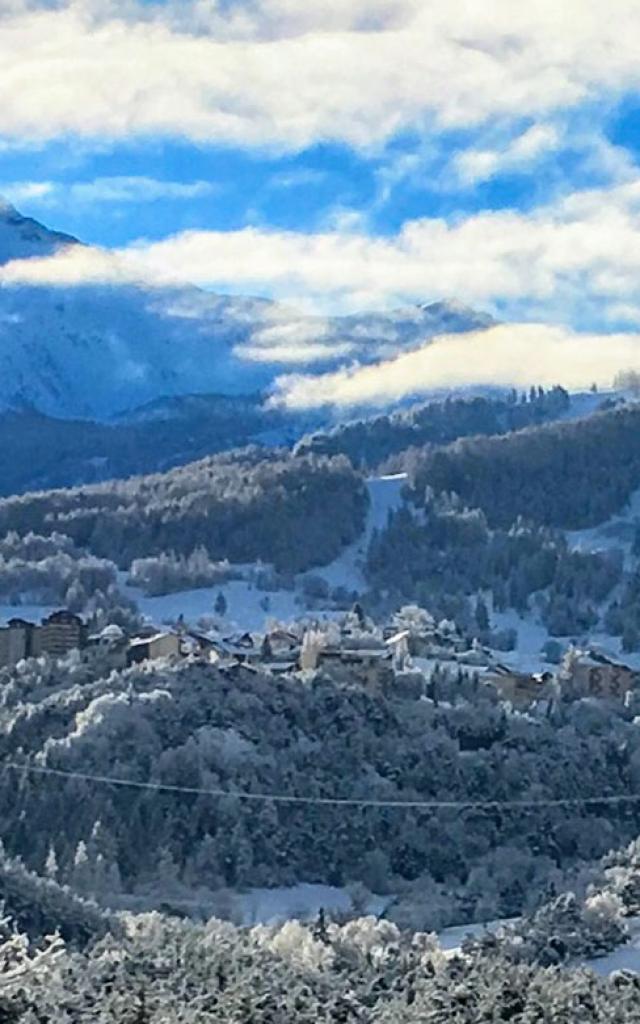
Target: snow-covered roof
[(397, 638), (140, 641), (112, 632)]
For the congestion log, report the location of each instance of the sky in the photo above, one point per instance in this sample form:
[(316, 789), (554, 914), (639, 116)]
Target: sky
[(336, 154)]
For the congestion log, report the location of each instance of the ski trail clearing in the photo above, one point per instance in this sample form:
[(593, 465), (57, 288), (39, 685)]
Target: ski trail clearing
[(347, 569)]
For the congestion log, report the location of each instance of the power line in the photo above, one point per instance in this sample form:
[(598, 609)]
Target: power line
[(282, 798)]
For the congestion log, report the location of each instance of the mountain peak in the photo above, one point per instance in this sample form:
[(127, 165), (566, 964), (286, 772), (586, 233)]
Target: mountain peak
[(23, 237)]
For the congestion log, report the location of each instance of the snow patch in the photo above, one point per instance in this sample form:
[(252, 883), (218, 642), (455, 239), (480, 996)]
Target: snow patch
[(303, 901), (385, 495), (624, 958)]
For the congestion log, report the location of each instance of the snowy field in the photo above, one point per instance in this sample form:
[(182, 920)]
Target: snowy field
[(245, 609), (451, 939), (273, 906), (304, 901), (625, 958)]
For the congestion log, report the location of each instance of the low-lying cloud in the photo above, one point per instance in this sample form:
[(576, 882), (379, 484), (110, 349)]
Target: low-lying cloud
[(576, 260), (294, 341), (509, 355)]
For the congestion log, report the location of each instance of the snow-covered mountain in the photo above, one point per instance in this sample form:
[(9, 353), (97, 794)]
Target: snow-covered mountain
[(95, 351), (22, 237)]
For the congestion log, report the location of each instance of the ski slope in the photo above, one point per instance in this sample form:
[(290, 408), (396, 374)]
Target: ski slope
[(385, 495), (245, 602)]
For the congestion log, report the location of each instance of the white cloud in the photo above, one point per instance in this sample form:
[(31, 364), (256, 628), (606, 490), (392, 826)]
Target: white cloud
[(294, 341), (572, 260), (298, 177), (515, 354), (26, 191), (119, 189), (473, 165), (292, 353), (287, 74)]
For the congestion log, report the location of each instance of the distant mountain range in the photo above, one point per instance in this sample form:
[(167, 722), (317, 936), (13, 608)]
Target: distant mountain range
[(98, 351)]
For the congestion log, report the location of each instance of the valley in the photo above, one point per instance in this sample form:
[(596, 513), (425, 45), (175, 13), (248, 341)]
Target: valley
[(319, 512)]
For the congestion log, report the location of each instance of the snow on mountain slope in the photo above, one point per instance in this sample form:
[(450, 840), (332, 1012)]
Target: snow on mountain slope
[(385, 495), (98, 350), (21, 237)]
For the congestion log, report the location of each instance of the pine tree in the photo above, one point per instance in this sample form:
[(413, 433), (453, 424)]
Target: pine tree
[(482, 615)]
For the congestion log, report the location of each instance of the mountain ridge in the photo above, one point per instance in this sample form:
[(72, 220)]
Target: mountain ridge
[(95, 351)]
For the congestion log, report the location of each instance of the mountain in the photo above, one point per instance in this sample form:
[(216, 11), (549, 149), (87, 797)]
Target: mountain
[(22, 237), (38, 452), (96, 351)]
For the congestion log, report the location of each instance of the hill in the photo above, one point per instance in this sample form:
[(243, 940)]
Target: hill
[(372, 441), (570, 474), (243, 506), (39, 452)]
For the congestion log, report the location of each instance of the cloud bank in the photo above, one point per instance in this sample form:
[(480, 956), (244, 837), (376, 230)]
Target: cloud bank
[(509, 355), (576, 260), (287, 74)]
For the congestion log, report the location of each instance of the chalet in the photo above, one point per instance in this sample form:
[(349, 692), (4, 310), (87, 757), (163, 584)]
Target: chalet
[(241, 647), (368, 662), (398, 645), (198, 645), (281, 642), (147, 648), (111, 643)]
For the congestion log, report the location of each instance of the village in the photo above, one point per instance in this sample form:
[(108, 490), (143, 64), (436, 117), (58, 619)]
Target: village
[(353, 650)]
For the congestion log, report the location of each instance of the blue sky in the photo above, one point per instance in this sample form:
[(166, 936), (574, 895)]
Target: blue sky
[(89, 190), (338, 154)]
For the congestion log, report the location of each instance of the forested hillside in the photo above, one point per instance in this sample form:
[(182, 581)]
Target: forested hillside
[(197, 726), (38, 452), (490, 516), (445, 554), (571, 475), (154, 969), (194, 727), (246, 505), (371, 442)]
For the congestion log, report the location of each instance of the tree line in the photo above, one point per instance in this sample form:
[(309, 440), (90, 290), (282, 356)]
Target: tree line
[(570, 475), (196, 726), (384, 440), (241, 506)]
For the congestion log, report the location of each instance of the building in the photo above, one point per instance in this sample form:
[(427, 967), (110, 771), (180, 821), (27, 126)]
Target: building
[(111, 643), (242, 648), (17, 641), (592, 674), (159, 645), (519, 688), (282, 643), (60, 633), (370, 665), (398, 645), (194, 644)]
